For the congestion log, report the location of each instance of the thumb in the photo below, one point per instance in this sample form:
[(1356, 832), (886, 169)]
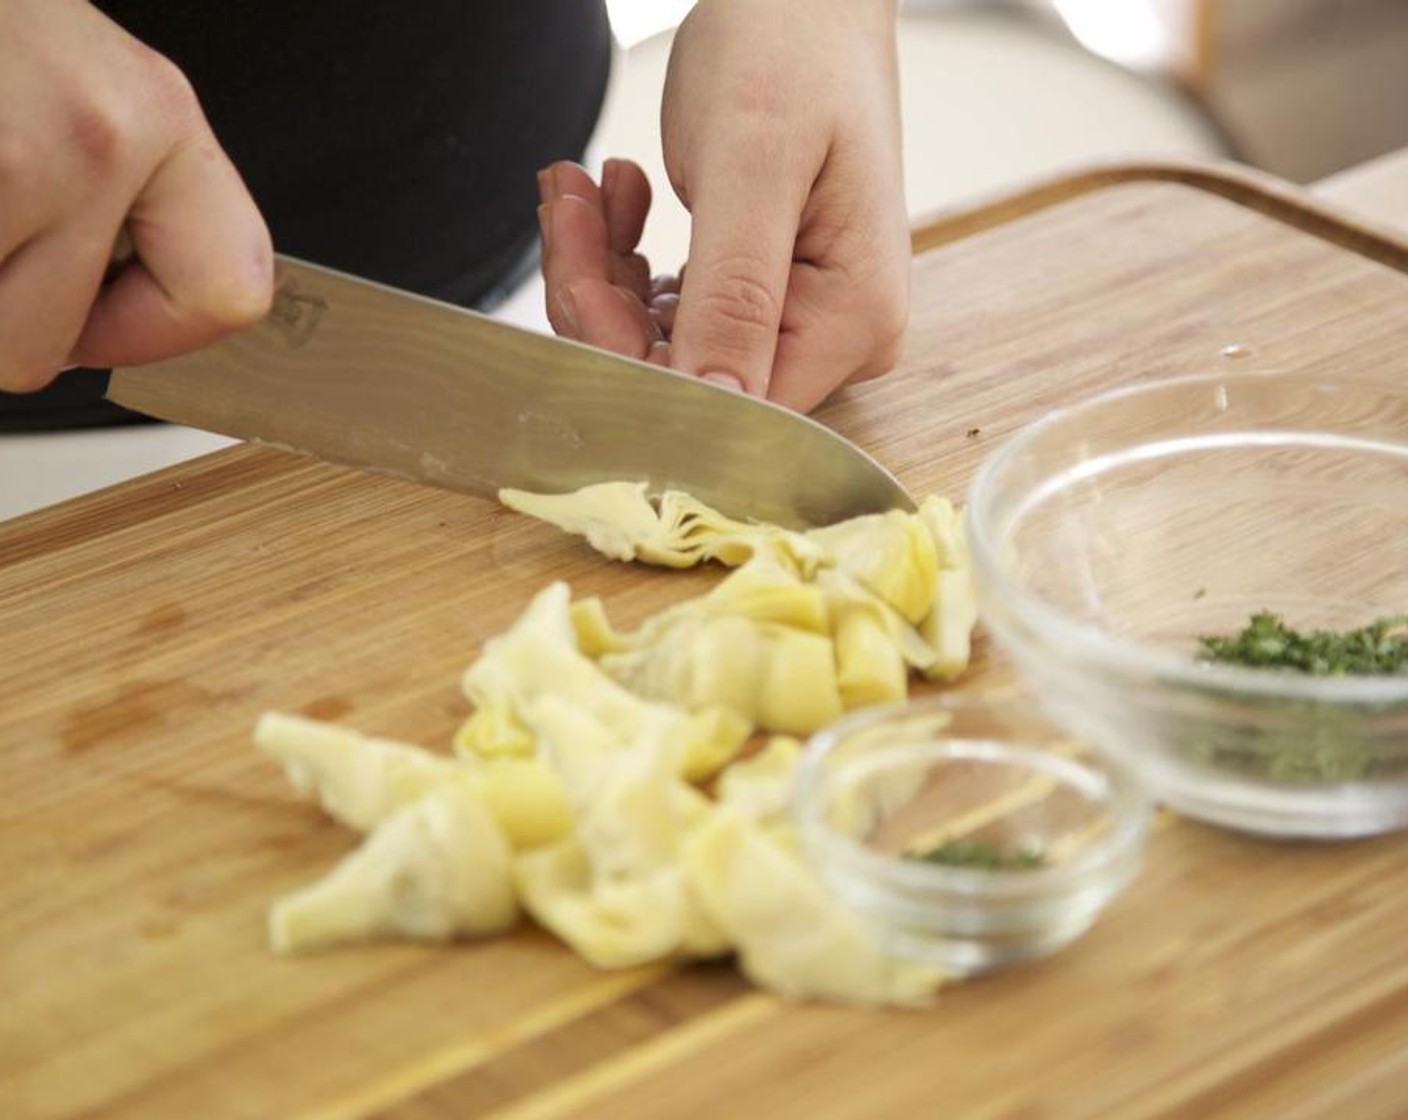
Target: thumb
[(740, 258)]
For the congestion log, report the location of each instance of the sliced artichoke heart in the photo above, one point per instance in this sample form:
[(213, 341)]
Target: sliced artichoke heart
[(359, 780), (538, 657), (790, 934), (436, 869), (773, 676), (614, 891), (891, 553)]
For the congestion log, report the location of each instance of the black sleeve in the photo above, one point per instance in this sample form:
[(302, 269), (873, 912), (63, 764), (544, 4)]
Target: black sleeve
[(394, 141)]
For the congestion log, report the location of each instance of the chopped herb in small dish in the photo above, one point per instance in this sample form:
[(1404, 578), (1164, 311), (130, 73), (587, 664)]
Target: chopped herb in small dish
[(1266, 642), (1311, 742), (980, 856)]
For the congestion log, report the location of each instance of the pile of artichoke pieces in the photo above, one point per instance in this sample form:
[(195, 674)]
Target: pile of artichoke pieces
[(573, 792)]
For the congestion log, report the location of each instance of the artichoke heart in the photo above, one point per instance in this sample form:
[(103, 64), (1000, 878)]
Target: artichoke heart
[(760, 787), (791, 935), (433, 870), (869, 666), (527, 799), (772, 676), (539, 657), (700, 532), (569, 793), (595, 634), (891, 553), (613, 925), (948, 627), (847, 596), (614, 890), (618, 520), (768, 590), (359, 780)]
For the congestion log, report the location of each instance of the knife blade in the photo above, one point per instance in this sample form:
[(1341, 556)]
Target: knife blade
[(362, 374)]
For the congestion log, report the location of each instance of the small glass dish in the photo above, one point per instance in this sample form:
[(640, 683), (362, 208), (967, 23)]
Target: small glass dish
[(966, 830), (1112, 535)]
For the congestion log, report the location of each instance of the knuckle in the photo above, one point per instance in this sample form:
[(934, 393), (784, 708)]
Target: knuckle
[(885, 316), (890, 324), (760, 97), (18, 161), (887, 344), (736, 299), (170, 91), (108, 129), (106, 122), (880, 361), (100, 131)]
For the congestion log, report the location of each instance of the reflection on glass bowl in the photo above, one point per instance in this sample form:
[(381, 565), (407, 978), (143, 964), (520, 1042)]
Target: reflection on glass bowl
[(967, 830), (1110, 536)]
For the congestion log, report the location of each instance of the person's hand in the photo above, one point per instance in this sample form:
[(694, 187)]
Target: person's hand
[(99, 134), (780, 129)]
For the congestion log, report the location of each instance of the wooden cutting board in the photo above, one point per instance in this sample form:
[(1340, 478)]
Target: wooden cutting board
[(143, 629)]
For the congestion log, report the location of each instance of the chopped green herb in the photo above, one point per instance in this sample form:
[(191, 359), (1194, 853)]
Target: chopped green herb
[(1303, 741), (980, 855), (1268, 643), (1309, 744), (1200, 593)]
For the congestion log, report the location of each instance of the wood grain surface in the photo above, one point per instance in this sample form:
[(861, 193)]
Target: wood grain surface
[(144, 628)]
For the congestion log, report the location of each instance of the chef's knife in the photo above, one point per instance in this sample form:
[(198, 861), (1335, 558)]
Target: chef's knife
[(362, 374)]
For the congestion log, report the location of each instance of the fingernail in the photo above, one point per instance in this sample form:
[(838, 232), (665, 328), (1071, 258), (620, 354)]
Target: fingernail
[(727, 380), (544, 223), (544, 183), (567, 304), (608, 176), (663, 309)]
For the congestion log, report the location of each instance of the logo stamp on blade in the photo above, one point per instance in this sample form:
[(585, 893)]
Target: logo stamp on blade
[(296, 313)]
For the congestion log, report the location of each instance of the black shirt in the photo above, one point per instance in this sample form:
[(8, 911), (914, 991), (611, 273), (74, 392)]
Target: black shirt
[(394, 141)]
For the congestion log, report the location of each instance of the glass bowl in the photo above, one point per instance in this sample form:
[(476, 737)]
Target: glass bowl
[(1110, 536), (965, 829)]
